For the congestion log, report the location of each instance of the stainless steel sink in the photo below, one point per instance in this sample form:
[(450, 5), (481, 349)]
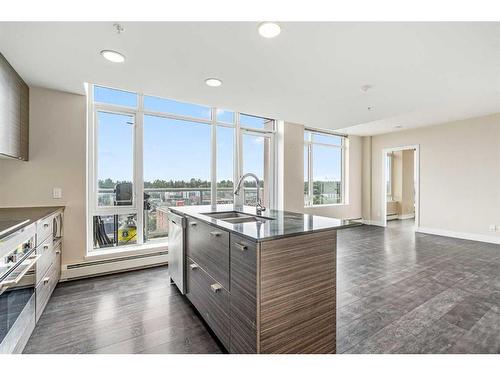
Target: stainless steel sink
[(226, 215), (235, 217)]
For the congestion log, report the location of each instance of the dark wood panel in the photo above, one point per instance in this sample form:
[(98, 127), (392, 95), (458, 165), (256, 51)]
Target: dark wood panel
[(212, 305), (209, 247), (25, 119), (243, 254), (14, 112), (297, 294)]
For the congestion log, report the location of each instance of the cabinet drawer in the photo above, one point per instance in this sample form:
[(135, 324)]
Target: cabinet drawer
[(243, 295), (47, 256), (46, 286), (210, 299), (209, 247), (43, 230)]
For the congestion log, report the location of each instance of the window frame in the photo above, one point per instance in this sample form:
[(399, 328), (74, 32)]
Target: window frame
[(308, 145), (92, 207)]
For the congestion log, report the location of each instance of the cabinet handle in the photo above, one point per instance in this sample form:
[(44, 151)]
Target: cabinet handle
[(46, 225), (46, 280), (215, 234), (193, 223), (216, 287), (194, 266), (241, 246), (46, 247), (58, 252)]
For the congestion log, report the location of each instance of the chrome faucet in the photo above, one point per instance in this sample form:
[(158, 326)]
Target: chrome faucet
[(258, 207)]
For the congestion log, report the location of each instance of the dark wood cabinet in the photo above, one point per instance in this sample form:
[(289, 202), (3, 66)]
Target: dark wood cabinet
[(243, 254), (210, 299), (209, 247), (275, 296), (14, 113)]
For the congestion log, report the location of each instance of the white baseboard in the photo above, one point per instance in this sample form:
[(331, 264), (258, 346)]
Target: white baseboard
[(461, 235), (88, 269), (406, 216), (373, 222)]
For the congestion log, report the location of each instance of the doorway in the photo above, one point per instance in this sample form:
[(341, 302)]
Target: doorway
[(401, 185)]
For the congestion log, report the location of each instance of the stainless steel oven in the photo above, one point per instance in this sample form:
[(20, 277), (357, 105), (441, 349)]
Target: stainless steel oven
[(17, 286)]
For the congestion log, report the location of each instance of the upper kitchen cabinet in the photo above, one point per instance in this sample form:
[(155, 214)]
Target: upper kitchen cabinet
[(14, 113)]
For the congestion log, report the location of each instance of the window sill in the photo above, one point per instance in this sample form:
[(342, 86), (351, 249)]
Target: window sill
[(123, 251)]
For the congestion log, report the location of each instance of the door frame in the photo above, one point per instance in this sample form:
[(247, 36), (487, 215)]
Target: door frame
[(416, 166)]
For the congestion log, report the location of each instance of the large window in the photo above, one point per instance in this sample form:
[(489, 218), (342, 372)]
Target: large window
[(149, 153), (324, 162)]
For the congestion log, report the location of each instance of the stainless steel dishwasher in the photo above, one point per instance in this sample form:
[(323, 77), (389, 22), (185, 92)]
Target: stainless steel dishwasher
[(176, 250)]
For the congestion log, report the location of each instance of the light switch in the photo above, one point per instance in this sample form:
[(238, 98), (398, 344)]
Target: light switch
[(57, 193)]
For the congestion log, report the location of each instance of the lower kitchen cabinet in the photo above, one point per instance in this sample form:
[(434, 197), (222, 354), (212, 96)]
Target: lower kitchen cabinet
[(277, 296), (210, 298), (49, 280), (26, 289)]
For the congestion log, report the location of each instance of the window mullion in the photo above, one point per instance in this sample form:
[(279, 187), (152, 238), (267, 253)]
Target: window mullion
[(139, 168), (213, 157), (310, 174)]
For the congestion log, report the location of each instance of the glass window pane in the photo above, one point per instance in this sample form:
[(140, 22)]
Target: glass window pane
[(306, 176), (115, 159), (113, 96), (327, 175), (225, 164), (114, 230), (224, 116), (255, 160), (255, 122), (176, 162), (328, 139), (153, 103)]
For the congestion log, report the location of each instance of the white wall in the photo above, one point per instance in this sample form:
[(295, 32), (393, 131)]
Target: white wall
[(459, 175), (291, 137), (57, 159)]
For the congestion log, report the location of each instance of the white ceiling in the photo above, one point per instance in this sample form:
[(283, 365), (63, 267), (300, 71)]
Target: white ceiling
[(421, 73)]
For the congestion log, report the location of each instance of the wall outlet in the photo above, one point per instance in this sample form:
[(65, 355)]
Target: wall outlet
[(492, 228), (57, 193)]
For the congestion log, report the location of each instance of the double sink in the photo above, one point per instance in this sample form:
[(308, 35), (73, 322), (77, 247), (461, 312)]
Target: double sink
[(236, 217)]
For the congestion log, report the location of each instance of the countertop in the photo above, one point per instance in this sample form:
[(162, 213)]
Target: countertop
[(15, 218), (285, 223)]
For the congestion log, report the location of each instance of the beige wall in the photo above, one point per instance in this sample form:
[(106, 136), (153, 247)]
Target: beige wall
[(459, 174), (406, 205), (292, 186), (403, 194), (366, 176), (57, 159)]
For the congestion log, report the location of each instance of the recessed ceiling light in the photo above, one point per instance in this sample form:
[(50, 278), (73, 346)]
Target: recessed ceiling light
[(113, 56), (370, 108), (398, 126), (269, 29), (213, 82)]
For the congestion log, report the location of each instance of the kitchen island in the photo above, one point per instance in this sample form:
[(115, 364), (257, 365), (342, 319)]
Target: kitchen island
[(264, 284)]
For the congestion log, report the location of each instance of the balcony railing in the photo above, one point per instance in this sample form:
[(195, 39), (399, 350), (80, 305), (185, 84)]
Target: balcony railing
[(155, 219), (182, 196)]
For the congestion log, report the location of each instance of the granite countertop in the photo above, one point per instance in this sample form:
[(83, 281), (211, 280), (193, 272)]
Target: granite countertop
[(285, 223), (15, 218)]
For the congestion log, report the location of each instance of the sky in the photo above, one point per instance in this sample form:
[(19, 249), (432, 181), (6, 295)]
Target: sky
[(172, 149)]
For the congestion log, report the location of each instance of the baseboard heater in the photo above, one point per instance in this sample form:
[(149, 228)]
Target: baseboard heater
[(113, 265)]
